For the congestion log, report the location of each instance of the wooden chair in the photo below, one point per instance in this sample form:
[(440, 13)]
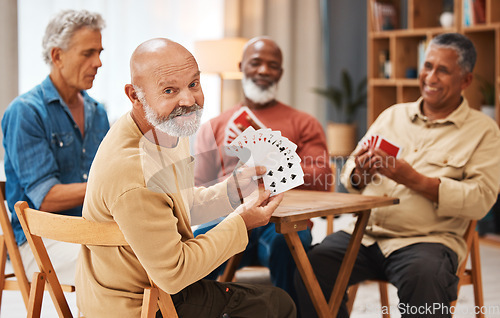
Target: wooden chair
[(18, 279), (37, 224), (471, 276)]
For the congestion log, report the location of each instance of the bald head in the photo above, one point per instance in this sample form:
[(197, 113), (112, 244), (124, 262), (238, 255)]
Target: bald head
[(157, 55), (262, 43), (165, 88)]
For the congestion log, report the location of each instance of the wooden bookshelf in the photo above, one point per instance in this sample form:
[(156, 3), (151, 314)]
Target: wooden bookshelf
[(401, 46)]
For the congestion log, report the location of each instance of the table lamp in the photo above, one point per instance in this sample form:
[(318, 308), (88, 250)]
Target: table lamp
[(220, 57)]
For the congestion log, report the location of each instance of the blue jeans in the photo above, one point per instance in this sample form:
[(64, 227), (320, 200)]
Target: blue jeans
[(267, 248)]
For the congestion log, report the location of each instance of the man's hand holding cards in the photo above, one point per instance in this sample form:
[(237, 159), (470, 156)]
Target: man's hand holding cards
[(264, 147), (379, 142)]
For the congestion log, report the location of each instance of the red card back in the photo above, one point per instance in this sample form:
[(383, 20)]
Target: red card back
[(389, 148)]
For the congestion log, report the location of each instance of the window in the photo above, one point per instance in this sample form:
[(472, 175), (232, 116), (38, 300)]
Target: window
[(128, 23)]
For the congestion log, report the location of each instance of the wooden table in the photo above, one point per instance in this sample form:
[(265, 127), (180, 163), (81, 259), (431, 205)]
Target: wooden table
[(292, 216)]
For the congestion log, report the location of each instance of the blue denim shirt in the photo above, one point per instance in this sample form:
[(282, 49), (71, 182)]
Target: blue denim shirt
[(44, 146)]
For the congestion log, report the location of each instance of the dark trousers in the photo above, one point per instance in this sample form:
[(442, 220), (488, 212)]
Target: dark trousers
[(423, 273), (267, 248), (212, 299)]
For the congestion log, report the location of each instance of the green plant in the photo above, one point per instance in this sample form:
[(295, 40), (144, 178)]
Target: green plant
[(487, 90), (343, 98)]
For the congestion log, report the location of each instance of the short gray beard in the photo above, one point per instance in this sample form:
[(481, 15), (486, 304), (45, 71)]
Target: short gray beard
[(257, 94), (171, 124)]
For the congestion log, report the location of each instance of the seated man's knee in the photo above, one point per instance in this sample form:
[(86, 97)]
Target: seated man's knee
[(433, 275), (286, 306), (429, 268)]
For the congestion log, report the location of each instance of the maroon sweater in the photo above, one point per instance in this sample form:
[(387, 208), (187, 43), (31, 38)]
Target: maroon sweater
[(213, 164)]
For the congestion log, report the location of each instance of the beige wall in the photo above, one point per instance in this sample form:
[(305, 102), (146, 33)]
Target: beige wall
[(8, 55)]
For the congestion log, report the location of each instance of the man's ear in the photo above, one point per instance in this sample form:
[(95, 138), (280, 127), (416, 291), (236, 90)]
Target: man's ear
[(132, 95), (56, 56), (467, 80), (281, 74)]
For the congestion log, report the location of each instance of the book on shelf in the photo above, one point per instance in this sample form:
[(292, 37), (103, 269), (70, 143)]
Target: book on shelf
[(474, 12), (384, 16), (422, 46), (479, 7)]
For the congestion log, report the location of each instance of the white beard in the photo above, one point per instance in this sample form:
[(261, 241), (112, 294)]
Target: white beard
[(257, 94), (172, 125)]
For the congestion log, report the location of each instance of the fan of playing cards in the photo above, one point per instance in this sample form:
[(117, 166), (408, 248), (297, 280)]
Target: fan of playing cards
[(268, 148)]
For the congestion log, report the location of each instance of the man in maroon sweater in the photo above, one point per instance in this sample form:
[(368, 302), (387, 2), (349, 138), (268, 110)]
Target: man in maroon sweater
[(261, 65)]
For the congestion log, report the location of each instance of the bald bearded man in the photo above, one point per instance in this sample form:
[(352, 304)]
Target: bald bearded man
[(142, 179)]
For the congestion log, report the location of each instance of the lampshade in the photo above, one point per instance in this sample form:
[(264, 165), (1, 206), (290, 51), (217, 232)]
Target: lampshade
[(220, 56)]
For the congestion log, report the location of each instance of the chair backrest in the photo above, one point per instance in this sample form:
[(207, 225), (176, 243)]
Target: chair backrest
[(37, 225), (469, 237), (472, 276), (8, 241)]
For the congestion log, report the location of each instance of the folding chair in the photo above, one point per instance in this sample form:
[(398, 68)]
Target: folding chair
[(8, 244), (470, 276), (37, 224), (18, 279)]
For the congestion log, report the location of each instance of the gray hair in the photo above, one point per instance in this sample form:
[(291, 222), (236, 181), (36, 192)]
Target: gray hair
[(64, 25), (462, 45)]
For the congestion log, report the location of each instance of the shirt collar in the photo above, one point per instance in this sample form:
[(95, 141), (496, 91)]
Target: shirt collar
[(457, 117), (51, 94)]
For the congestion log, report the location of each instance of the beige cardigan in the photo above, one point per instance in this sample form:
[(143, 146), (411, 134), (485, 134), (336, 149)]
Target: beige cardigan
[(148, 190)]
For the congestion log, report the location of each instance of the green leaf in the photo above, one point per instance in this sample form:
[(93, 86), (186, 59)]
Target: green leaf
[(347, 86)]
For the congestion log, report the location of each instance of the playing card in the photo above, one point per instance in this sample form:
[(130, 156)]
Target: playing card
[(285, 177), (239, 122), (264, 147), (375, 141), (244, 118), (390, 148), (240, 147)]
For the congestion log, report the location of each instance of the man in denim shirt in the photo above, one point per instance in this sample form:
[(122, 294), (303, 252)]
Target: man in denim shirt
[(52, 133)]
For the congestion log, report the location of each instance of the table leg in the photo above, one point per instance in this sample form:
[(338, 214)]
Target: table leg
[(307, 274), (348, 263)]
